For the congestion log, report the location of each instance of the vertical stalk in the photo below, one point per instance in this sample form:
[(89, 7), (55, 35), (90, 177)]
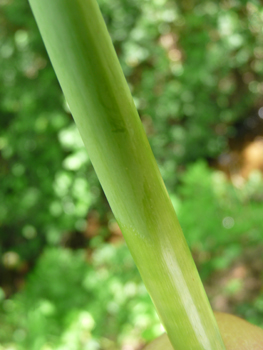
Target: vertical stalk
[(88, 70)]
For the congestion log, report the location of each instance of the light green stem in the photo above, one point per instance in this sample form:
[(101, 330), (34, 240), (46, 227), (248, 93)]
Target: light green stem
[(88, 70)]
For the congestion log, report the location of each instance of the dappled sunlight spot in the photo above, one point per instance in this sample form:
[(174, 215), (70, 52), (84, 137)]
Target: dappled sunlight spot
[(142, 320), (116, 289), (168, 15), (9, 347), (10, 260), (86, 320), (102, 274), (226, 23), (76, 160), (104, 255), (175, 55), (90, 280), (128, 347), (177, 68), (58, 120), (244, 167), (254, 86), (209, 8), (219, 181), (29, 232), (41, 123), (21, 39), (237, 180), (6, 50), (159, 2), (46, 308), (3, 142), (168, 40), (76, 195), (145, 322), (253, 160), (235, 40), (69, 138), (47, 347), (134, 54), (113, 307), (62, 183), (78, 332), (68, 205), (130, 289), (138, 34), (55, 208), (228, 222)]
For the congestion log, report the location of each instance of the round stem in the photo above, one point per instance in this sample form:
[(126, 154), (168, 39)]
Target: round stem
[(88, 70)]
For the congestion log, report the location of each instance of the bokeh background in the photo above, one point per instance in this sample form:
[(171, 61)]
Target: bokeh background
[(195, 69)]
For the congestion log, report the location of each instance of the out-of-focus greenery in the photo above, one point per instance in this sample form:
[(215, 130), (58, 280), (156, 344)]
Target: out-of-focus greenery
[(70, 304), (231, 220), (195, 71)]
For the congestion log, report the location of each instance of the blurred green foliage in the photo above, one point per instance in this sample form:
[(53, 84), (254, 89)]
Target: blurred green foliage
[(195, 71), (231, 220), (70, 304)]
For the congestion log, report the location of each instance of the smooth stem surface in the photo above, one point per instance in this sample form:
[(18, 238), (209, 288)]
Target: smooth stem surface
[(90, 75)]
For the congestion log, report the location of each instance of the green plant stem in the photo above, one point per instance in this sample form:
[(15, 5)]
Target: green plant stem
[(88, 70)]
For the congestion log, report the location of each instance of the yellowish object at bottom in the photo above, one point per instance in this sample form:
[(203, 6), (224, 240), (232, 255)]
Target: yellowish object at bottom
[(236, 333)]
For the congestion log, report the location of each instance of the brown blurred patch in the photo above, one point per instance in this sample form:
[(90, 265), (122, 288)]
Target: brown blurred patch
[(238, 164), (237, 284)]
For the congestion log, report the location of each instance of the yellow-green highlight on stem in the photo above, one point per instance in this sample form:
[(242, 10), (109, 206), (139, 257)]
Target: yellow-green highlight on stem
[(88, 70)]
